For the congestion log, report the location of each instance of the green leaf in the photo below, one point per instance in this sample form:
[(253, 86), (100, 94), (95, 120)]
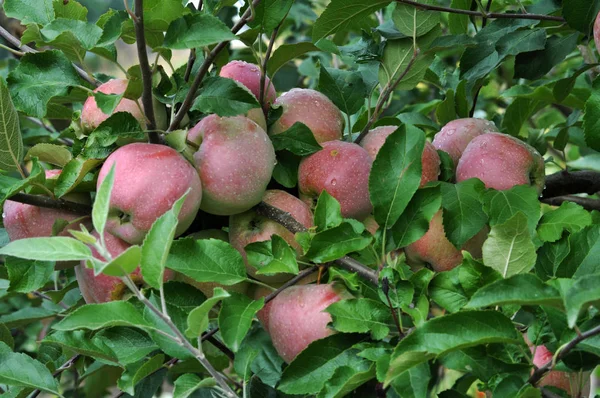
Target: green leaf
[(272, 256), (328, 212), (135, 373), (128, 344), (11, 142), (591, 118), (550, 256), (583, 293), (124, 264), (582, 259), (82, 343), (313, 367), (54, 154), (39, 78), (102, 203), (502, 205), (286, 53), (346, 89), (30, 11), (198, 318), (415, 22), (569, 216), (463, 211), (48, 249), (72, 37), (509, 248), (70, 10), (257, 351), (580, 14), (27, 276), (347, 379), (225, 97), (361, 316), (459, 331), (6, 337), (21, 370), (219, 261), (73, 173), (413, 383), (524, 289), (298, 140), (342, 15), (396, 174), (100, 316), (535, 64), (336, 242), (286, 169), (186, 384), (269, 13), (458, 23), (196, 31), (235, 318), (26, 315), (157, 243), (447, 291)]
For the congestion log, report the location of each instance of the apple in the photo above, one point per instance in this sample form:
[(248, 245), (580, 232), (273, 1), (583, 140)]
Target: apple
[(297, 317), (27, 221), (597, 32), (235, 162), (104, 288), (572, 382), (501, 162), (149, 178), (454, 137), (430, 161), (249, 227), (313, 109), (92, 116), (435, 249), (342, 169), (249, 75)]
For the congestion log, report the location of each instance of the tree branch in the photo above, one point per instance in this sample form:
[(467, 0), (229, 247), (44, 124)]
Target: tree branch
[(17, 43), (487, 15), (568, 183), (284, 218), (586, 203), (539, 373), (187, 102), (140, 39), (190, 65), (263, 75), (59, 204)]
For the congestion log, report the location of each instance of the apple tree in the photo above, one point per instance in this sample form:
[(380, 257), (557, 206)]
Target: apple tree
[(326, 198)]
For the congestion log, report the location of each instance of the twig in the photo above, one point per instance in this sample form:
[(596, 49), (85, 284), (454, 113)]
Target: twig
[(140, 37), (488, 15), (388, 90), (586, 203), (476, 96), (44, 201), (46, 297), (222, 347), (58, 371), (385, 287), (568, 183), (190, 65), (303, 274), (17, 43), (263, 75), (539, 373), (284, 218), (548, 394), (187, 102)]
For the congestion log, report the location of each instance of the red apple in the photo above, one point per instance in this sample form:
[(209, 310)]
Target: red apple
[(297, 317), (149, 178), (313, 109), (501, 162), (454, 137), (597, 32), (235, 162), (572, 382), (430, 161), (342, 169), (104, 288), (249, 75), (249, 227)]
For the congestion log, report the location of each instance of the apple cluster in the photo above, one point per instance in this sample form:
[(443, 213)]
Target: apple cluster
[(233, 162)]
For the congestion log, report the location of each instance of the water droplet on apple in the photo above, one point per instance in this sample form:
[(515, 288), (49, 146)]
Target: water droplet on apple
[(451, 132), (333, 182)]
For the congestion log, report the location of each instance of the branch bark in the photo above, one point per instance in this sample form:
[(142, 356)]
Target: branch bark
[(44, 201), (568, 183), (586, 203), (140, 37), (263, 75)]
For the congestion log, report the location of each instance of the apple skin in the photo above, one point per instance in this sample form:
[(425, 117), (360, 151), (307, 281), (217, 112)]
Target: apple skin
[(149, 179), (104, 288), (435, 249), (313, 109), (249, 227), (454, 137), (342, 169), (249, 75), (597, 32), (430, 161), (297, 317), (501, 162), (26, 221), (567, 381), (92, 116), (235, 162)]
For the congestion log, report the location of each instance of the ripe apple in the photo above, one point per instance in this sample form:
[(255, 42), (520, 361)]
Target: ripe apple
[(430, 161), (435, 249), (235, 162), (342, 169), (104, 288), (249, 75), (296, 317), (249, 227), (149, 178), (572, 382), (501, 162), (597, 32), (26, 221), (313, 109), (92, 116), (454, 137)]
